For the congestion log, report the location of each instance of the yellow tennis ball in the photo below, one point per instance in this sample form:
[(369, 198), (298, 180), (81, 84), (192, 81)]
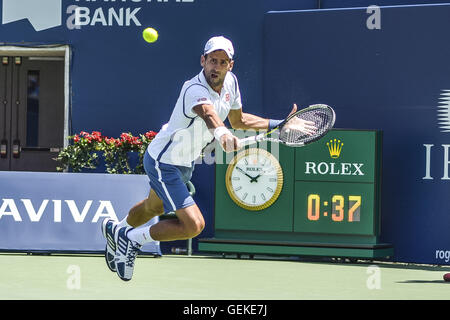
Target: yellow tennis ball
[(150, 35)]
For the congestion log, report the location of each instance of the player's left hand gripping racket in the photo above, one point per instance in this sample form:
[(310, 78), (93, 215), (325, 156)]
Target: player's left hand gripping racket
[(322, 115)]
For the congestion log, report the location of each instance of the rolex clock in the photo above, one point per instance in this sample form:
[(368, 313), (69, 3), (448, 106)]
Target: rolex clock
[(319, 200), (254, 179)]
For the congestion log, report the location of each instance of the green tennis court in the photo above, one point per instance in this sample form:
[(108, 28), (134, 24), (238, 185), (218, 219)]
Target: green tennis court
[(176, 277)]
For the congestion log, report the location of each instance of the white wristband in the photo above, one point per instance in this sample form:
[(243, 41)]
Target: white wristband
[(220, 131)]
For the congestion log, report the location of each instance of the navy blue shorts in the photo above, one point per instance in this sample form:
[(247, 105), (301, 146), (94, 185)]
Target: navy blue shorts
[(169, 183)]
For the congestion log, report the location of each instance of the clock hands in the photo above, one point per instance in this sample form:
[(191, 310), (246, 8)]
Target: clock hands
[(254, 179)]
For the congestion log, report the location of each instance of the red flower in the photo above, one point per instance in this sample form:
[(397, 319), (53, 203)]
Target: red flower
[(97, 136), (150, 134), (125, 137)]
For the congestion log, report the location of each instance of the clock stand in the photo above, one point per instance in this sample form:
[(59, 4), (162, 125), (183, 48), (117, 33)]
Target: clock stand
[(329, 203)]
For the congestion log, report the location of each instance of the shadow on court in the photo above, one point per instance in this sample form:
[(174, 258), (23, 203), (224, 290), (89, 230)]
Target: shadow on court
[(333, 261), (426, 281)]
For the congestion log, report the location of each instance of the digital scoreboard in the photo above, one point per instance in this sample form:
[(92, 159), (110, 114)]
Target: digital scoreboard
[(337, 184), (322, 199)]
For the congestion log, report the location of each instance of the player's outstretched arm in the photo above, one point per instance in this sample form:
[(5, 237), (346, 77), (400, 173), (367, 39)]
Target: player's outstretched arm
[(244, 121), (227, 140)]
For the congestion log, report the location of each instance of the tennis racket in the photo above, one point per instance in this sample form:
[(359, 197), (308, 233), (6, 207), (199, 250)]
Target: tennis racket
[(322, 115)]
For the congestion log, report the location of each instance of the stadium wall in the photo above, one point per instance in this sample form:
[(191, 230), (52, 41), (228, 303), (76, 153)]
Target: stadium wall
[(391, 76)]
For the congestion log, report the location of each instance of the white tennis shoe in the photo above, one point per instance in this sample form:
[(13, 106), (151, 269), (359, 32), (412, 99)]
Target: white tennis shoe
[(108, 228), (126, 252)]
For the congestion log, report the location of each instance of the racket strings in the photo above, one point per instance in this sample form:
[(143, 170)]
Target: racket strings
[(322, 120)]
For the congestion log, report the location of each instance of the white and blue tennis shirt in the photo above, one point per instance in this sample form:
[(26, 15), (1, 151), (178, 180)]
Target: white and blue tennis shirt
[(181, 140)]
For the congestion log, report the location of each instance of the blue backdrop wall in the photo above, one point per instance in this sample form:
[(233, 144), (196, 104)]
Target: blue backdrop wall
[(120, 83), (393, 78)]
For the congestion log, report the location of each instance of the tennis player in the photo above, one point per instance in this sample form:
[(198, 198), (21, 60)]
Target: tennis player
[(205, 101)]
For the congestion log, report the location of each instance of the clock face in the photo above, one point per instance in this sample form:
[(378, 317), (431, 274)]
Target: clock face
[(254, 179)]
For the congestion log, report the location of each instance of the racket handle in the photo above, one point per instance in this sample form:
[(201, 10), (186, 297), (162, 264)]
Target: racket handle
[(250, 140)]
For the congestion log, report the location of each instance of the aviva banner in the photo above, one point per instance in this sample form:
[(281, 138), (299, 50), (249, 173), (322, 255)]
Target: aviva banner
[(63, 212)]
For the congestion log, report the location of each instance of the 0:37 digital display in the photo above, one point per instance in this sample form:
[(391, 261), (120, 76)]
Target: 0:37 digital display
[(334, 208)]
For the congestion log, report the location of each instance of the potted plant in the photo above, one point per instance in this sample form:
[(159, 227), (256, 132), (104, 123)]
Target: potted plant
[(87, 149)]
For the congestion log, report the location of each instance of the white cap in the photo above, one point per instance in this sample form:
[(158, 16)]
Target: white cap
[(219, 43)]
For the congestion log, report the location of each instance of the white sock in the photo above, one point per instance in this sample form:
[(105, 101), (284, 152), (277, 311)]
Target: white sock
[(123, 223), (140, 235)]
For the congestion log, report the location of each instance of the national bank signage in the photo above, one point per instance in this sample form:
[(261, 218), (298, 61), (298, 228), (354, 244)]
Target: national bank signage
[(76, 14)]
